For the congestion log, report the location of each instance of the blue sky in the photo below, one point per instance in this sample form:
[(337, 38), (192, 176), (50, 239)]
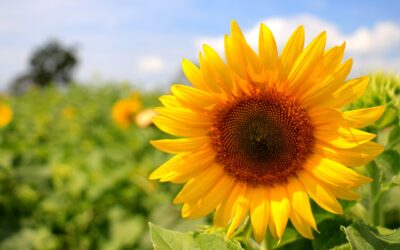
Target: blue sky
[(144, 41)]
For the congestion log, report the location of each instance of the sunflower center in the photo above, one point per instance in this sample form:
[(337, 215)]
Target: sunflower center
[(262, 139)]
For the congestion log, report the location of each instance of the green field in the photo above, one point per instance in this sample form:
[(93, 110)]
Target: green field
[(79, 181)]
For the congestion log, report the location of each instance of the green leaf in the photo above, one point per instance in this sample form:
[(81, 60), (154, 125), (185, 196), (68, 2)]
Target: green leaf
[(394, 137), (389, 163), (330, 235), (343, 247), (164, 239), (363, 237)]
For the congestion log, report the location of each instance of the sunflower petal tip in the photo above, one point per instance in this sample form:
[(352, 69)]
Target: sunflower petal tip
[(235, 29), (177, 200), (154, 143), (368, 179), (234, 23), (206, 47), (153, 176), (185, 61)]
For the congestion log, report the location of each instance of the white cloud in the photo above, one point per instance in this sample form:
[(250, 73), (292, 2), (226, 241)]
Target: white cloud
[(151, 64), (372, 48)]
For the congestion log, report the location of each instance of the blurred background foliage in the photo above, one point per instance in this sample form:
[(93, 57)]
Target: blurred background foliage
[(70, 178)]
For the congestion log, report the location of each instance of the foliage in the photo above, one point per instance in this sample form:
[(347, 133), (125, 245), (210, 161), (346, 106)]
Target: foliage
[(75, 180), (169, 240), (363, 237)]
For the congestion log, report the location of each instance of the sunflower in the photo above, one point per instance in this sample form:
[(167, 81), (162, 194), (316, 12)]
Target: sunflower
[(264, 133), (124, 110), (6, 114), (68, 112)]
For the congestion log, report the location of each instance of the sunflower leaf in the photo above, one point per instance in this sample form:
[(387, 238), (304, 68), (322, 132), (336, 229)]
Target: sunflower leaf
[(389, 163), (394, 137), (363, 237), (164, 239), (330, 235)]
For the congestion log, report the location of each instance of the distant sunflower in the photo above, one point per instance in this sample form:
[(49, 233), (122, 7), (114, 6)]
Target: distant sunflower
[(264, 133), (6, 114), (69, 112), (124, 110)]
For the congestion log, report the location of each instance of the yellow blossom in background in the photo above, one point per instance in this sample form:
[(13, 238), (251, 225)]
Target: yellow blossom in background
[(125, 110), (263, 133), (69, 112), (6, 114)]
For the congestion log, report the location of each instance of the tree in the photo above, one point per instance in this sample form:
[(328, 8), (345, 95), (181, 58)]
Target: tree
[(52, 63)]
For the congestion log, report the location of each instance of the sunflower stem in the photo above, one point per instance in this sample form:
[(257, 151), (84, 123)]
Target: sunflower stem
[(375, 213)]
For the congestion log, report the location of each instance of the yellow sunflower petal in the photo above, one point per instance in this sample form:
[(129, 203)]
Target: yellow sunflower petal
[(210, 200), (352, 157), (193, 74), (184, 166), (239, 211), (348, 138), (321, 195), (192, 98), (280, 209), (185, 116), (360, 118), (300, 203), (344, 194), (259, 212), (199, 186), (336, 174), (306, 63), (326, 123), (235, 57), (224, 212), (349, 92), (272, 226), (291, 51), (170, 101), (222, 74), (332, 59), (301, 225), (319, 92), (268, 51), (175, 146), (175, 127), (253, 64)]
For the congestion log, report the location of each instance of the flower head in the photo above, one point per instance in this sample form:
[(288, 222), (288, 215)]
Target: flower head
[(263, 133), (6, 114), (124, 110)]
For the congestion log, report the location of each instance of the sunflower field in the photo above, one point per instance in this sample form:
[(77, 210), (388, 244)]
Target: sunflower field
[(72, 178)]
